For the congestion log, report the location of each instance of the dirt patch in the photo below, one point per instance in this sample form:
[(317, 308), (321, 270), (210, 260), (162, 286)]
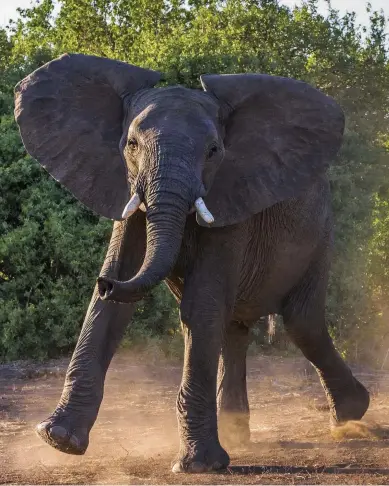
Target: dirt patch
[(135, 438)]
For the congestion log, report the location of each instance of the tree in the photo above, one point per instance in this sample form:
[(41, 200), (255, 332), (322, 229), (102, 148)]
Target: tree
[(46, 234)]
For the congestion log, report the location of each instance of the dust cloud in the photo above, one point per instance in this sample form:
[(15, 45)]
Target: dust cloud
[(135, 437), (359, 430), (137, 419)]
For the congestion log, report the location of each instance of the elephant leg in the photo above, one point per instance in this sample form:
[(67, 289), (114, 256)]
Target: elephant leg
[(67, 429), (232, 400), (304, 320), (207, 304)]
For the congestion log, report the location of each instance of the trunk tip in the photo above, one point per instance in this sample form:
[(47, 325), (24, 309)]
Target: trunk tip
[(115, 291), (105, 287)]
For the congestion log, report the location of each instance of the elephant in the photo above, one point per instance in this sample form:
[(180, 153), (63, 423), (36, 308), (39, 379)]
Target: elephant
[(221, 192)]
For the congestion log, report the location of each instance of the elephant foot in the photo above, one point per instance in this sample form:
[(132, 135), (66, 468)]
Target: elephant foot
[(351, 404), (60, 431), (234, 429), (202, 457)]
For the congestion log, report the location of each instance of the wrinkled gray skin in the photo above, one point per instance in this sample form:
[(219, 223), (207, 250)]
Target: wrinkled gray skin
[(256, 148)]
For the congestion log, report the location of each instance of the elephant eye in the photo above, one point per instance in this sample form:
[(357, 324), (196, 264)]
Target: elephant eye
[(212, 151), (132, 144)]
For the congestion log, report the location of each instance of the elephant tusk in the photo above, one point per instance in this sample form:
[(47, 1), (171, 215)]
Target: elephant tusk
[(132, 205), (203, 211)]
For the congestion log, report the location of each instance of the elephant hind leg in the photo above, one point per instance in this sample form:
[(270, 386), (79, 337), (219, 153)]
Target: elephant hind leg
[(232, 400), (304, 321)]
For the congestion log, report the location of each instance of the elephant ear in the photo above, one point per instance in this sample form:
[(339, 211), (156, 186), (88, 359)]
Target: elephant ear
[(70, 114), (280, 135)]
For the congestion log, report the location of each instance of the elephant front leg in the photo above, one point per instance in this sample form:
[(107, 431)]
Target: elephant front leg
[(233, 404), (67, 429), (207, 304), (200, 450)]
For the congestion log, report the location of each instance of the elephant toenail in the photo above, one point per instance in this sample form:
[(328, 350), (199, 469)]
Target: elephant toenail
[(74, 442), (41, 428), (178, 468), (58, 433), (197, 467)]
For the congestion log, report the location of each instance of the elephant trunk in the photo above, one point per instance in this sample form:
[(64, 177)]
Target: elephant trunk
[(168, 204)]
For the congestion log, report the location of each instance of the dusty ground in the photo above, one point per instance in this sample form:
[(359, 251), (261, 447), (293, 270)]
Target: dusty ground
[(135, 438)]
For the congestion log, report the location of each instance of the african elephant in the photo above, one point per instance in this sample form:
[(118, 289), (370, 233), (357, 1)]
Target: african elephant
[(229, 203)]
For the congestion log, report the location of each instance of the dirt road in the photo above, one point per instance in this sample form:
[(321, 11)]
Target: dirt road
[(135, 437)]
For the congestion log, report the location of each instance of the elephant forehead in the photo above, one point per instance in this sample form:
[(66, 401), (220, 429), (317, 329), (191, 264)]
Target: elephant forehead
[(157, 121), (174, 99)]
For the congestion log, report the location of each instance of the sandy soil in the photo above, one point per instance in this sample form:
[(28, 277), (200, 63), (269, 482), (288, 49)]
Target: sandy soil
[(135, 437)]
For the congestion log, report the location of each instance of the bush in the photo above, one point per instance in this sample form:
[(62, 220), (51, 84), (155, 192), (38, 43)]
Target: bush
[(51, 248)]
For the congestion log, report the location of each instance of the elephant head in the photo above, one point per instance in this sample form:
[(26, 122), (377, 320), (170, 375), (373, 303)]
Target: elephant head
[(118, 144)]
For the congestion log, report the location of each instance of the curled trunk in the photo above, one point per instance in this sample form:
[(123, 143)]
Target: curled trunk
[(166, 219)]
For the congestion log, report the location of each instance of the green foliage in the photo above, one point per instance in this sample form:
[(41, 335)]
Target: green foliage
[(51, 248)]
